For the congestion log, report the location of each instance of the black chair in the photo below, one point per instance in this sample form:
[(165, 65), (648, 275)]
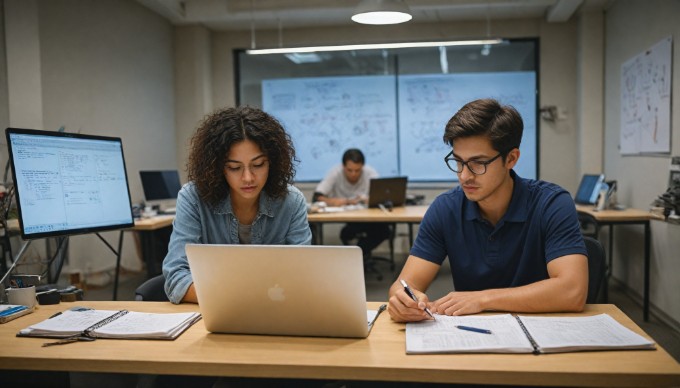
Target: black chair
[(370, 260), (589, 225), (152, 290), (597, 269)]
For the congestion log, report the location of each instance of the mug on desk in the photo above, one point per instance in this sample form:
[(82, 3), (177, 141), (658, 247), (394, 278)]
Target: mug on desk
[(23, 296)]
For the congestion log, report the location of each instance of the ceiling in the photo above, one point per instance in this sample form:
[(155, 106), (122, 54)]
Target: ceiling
[(226, 15)]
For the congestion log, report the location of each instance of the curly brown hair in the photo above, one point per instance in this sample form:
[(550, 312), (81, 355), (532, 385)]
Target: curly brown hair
[(223, 128)]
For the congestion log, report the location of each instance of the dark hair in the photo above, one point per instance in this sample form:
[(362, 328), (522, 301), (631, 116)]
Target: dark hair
[(487, 117), (222, 129), (355, 155)]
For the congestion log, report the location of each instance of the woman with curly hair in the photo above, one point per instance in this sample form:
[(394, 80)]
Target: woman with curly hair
[(240, 168)]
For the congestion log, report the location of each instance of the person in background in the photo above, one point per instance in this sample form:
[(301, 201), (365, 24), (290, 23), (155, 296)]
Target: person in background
[(348, 184), (240, 166), (514, 244)]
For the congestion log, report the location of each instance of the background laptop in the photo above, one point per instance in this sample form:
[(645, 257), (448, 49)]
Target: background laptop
[(299, 290), (382, 190), (589, 189)]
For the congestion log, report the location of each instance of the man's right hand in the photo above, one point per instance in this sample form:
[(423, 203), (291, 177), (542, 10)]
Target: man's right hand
[(404, 309)]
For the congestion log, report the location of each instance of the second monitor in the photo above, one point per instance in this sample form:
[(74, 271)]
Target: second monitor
[(387, 191), (161, 188)]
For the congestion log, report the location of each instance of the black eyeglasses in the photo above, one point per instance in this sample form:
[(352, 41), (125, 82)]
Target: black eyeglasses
[(477, 167)]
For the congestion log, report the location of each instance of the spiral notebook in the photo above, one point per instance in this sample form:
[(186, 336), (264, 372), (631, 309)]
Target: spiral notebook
[(84, 323), (506, 333)]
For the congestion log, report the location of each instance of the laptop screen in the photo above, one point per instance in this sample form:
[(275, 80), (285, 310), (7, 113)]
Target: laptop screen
[(589, 189), (384, 190)]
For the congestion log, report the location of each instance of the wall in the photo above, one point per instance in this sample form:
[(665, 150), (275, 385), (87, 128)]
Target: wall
[(631, 28), (105, 68)]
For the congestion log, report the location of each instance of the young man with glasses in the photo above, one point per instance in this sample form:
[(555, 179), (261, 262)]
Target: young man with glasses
[(514, 244)]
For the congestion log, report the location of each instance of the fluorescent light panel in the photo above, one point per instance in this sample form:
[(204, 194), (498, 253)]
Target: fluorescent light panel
[(377, 46)]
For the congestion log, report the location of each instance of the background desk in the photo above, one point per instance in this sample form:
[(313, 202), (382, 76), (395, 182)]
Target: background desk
[(379, 357), (403, 214), (624, 217)]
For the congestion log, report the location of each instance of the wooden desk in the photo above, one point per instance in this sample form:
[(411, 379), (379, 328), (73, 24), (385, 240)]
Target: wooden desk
[(403, 214), (625, 217), (379, 357)]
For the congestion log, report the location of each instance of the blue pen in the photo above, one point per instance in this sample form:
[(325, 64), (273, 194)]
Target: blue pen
[(475, 329), (12, 310)]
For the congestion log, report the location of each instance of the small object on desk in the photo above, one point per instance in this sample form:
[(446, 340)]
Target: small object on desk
[(474, 329), (383, 208), (47, 297), (9, 312), (413, 296)]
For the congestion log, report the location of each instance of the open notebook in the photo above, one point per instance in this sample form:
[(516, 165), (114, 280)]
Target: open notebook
[(506, 333), (296, 290)]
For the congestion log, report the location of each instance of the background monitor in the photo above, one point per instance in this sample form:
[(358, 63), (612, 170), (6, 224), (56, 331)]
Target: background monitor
[(68, 183), (589, 189), (160, 185), (387, 191)]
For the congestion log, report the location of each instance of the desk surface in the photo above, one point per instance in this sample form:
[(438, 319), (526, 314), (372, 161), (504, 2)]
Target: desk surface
[(626, 215), (153, 223), (398, 214), (379, 357)]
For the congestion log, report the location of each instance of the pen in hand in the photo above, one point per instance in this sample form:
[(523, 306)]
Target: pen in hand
[(410, 293)]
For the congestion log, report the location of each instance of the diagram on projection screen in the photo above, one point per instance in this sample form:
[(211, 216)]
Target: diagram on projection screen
[(646, 101)]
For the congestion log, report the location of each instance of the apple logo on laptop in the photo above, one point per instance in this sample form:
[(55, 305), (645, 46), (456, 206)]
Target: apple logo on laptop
[(276, 293)]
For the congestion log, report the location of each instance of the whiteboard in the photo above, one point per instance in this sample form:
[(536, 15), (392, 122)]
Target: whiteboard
[(427, 102), (327, 115), (397, 121), (646, 101)]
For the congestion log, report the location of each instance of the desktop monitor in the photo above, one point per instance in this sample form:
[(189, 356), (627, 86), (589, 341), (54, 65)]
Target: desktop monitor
[(161, 188), (387, 191), (589, 189), (68, 183)]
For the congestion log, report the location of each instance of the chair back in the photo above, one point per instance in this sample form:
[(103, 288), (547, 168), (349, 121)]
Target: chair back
[(152, 290), (597, 268), (589, 225)]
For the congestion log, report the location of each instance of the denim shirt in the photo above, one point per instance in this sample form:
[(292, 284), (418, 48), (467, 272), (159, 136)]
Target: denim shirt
[(278, 222)]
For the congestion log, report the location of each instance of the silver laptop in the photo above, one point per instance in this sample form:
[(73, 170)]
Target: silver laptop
[(298, 290)]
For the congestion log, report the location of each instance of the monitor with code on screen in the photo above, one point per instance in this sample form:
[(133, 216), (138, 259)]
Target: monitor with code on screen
[(68, 183)]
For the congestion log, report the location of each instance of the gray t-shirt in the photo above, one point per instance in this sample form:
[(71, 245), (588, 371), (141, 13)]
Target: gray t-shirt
[(335, 185)]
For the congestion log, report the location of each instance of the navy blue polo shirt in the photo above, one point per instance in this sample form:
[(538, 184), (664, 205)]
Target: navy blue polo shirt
[(540, 225)]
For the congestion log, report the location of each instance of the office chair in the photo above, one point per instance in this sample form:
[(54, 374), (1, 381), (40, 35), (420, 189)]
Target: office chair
[(369, 259), (597, 269), (152, 290), (589, 226)]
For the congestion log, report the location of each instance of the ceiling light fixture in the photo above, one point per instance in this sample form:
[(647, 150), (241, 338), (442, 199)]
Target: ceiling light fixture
[(376, 46), (381, 12)]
